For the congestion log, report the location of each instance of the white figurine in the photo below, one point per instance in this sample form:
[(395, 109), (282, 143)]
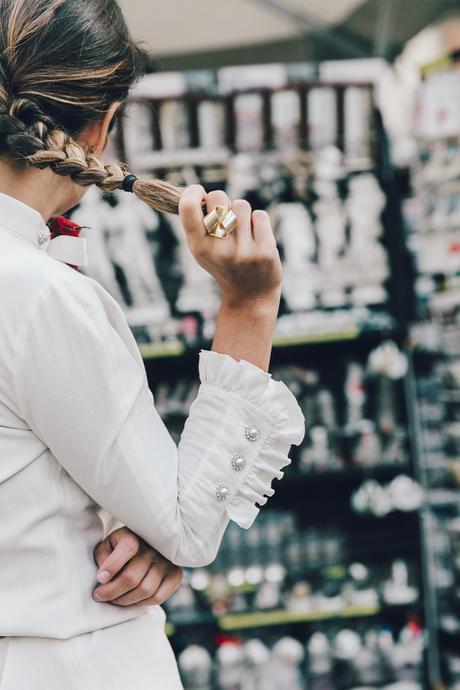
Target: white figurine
[(91, 216), (257, 658), (330, 230), (129, 248), (230, 657), (195, 665), (199, 290), (287, 654), (367, 259), (293, 227)]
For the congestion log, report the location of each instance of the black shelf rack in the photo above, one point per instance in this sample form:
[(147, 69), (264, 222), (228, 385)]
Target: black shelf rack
[(312, 497)]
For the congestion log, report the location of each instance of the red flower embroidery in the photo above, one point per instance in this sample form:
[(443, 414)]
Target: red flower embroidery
[(59, 225)]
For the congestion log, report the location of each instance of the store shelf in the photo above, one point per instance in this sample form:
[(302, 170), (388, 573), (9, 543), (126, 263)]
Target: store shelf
[(177, 348), (240, 621), (345, 474), (158, 350), (245, 621), (325, 341), (310, 338), (180, 157)]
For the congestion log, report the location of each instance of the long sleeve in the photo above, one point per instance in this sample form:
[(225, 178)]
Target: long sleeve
[(82, 388)]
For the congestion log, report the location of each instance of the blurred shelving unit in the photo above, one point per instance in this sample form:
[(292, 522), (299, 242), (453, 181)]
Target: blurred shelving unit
[(325, 338), (432, 224)]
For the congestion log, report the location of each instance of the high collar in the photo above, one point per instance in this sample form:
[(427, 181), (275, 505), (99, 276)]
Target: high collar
[(26, 222), (21, 219)]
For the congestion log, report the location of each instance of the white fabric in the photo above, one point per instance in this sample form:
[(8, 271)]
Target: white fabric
[(79, 431), (72, 250), (135, 654)]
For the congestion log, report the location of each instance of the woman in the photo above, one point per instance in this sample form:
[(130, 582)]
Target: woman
[(78, 426)]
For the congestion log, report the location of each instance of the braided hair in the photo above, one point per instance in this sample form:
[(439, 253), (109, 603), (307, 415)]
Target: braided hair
[(62, 63)]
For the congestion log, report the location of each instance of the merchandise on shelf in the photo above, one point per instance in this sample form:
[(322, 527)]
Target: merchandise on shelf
[(432, 218), (325, 590)]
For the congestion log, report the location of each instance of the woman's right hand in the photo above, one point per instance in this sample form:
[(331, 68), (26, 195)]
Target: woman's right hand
[(246, 265)]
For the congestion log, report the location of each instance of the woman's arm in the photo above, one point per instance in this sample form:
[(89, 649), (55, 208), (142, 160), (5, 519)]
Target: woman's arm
[(246, 332), (81, 387), (247, 268)]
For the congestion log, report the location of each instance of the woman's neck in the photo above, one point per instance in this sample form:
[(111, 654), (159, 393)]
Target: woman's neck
[(43, 190)]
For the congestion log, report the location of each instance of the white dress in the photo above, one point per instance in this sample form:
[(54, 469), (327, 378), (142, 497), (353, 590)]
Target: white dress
[(79, 432)]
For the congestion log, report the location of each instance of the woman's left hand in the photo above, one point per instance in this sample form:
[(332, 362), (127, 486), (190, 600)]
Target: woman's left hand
[(131, 572)]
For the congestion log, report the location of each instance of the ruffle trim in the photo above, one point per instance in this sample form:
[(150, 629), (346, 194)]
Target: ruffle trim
[(287, 427)]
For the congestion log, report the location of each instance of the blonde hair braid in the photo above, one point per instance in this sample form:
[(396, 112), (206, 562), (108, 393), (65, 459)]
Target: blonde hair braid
[(62, 64), (42, 144)]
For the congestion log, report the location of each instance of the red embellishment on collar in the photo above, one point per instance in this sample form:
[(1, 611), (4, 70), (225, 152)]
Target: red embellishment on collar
[(59, 225)]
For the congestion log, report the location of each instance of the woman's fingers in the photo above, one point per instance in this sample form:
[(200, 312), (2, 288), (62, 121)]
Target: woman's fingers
[(243, 231), (132, 572), (217, 198), (129, 578), (262, 229), (170, 584), (245, 263), (102, 551), (190, 210), (155, 588), (124, 546)]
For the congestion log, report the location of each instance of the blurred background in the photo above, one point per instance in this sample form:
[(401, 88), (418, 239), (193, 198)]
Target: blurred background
[(341, 118)]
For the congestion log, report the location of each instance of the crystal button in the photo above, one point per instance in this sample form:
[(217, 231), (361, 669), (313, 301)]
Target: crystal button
[(252, 433), (238, 463), (222, 492), (43, 236)]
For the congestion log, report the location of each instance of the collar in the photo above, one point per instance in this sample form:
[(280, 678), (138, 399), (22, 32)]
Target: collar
[(21, 219)]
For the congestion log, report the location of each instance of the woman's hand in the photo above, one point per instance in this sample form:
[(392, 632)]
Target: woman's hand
[(131, 572), (246, 265)]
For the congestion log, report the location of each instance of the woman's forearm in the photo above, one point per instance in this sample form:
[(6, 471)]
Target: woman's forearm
[(245, 331)]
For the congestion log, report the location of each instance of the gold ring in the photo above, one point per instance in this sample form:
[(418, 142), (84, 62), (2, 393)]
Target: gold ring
[(220, 222)]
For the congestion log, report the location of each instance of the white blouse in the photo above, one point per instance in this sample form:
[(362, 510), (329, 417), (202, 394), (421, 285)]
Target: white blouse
[(79, 432)]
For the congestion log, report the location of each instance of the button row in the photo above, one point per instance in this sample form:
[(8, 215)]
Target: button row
[(238, 463)]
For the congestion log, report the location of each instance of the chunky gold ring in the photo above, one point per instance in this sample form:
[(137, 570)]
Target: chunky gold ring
[(220, 222)]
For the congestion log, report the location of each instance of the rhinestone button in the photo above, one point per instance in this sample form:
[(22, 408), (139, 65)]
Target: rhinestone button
[(222, 492), (43, 236), (252, 433), (238, 463)]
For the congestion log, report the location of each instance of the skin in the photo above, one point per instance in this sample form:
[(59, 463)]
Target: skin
[(247, 268), (134, 572)]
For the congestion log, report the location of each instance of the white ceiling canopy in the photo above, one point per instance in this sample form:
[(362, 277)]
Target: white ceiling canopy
[(321, 12), (194, 34), (181, 26)]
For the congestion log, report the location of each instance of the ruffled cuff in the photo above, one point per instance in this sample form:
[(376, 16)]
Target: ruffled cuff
[(272, 421)]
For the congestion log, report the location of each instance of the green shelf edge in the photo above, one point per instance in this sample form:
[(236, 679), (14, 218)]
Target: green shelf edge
[(178, 348), (242, 621), (351, 334), (281, 617), (159, 350)]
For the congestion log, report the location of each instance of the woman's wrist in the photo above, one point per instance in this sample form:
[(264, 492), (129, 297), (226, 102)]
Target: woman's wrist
[(244, 329), (259, 305)]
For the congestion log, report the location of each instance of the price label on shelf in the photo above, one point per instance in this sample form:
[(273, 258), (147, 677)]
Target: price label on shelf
[(438, 109)]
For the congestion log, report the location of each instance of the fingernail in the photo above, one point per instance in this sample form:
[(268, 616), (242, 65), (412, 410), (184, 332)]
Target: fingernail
[(96, 596), (103, 576)]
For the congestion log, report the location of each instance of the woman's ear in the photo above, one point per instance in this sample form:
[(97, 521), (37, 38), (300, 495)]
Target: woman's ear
[(95, 134)]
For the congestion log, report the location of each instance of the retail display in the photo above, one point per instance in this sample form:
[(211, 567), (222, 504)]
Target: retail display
[(327, 589), (432, 218)]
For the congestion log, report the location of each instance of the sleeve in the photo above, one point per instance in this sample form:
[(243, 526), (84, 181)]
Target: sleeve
[(84, 393)]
